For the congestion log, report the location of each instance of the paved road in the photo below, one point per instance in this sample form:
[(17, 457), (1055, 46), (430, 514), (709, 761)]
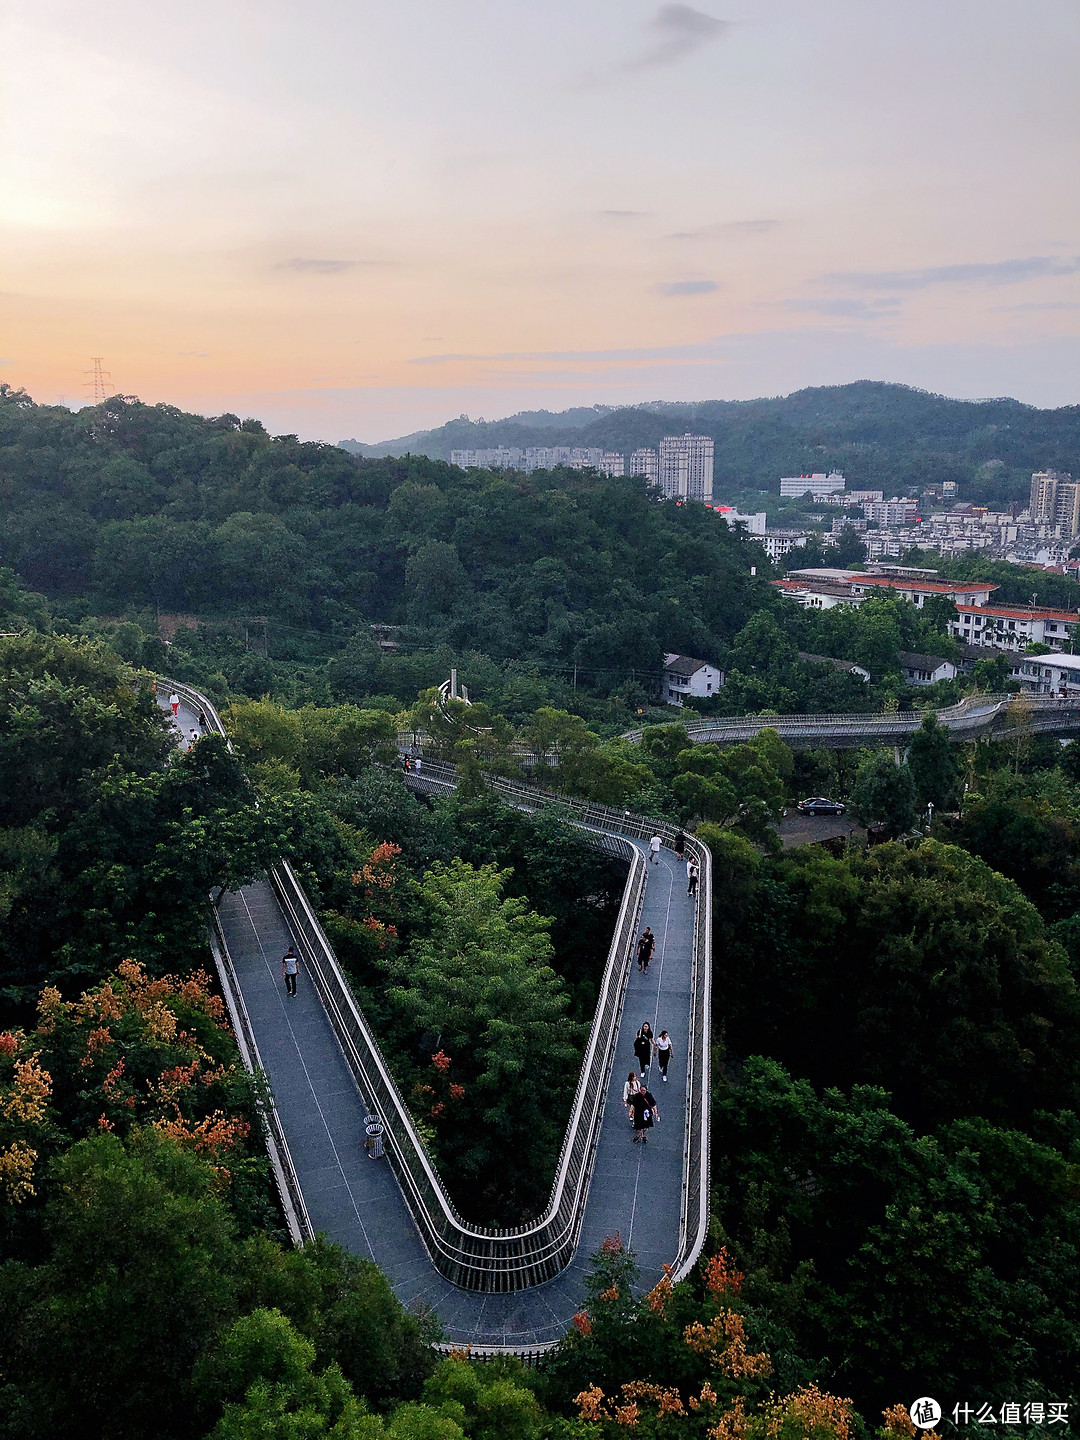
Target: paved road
[(636, 1190)]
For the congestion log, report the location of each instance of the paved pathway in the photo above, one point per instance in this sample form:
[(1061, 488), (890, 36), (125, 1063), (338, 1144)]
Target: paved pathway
[(635, 1189)]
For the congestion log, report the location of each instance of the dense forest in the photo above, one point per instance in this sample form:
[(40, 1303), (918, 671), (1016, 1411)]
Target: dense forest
[(881, 436)]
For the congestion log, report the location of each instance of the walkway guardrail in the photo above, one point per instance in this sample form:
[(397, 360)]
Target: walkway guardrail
[(489, 1259), (973, 717), (277, 1147), (603, 820)]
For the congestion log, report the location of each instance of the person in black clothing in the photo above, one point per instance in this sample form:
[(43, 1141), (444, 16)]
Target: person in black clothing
[(643, 1108), (679, 844), (645, 947), (643, 1046)]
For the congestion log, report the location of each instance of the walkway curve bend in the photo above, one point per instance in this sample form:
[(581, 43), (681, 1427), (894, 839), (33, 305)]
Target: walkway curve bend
[(497, 1290)]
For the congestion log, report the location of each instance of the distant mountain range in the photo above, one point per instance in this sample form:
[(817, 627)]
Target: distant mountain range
[(881, 436)]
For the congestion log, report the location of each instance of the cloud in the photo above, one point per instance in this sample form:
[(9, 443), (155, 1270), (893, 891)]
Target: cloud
[(623, 214), (326, 267), (677, 30), (1040, 305), (1000, 272), (688, 287), (731, 228), (845, 309)]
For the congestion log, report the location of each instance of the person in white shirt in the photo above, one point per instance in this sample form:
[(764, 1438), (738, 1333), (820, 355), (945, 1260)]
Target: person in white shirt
[(654, 849)]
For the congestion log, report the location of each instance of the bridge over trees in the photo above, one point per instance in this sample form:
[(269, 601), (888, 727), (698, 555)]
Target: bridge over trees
[(515, 1289)]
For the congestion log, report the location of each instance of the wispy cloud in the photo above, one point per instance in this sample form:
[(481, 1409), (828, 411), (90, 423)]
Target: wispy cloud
[(730, 229), (327, 267), (677, 31), (845, 309), (1040, 305), (998, 272), (688, 287)]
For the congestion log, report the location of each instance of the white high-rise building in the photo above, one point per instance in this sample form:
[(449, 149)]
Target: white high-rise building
[(647, 463), (686, 467), (613, 463)]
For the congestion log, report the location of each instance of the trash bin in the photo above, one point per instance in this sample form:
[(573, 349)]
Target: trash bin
[(373, 1129)]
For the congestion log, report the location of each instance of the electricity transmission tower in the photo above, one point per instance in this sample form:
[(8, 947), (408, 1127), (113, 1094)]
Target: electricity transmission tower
[(96, 383)]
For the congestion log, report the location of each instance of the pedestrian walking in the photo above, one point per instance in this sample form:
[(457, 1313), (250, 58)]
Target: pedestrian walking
[(691, 877), (662, 1051), (174, 701), (290, 966), (204, 724), (654, 849), (679, 844), (645, 947), (418, 764), (193, 735), (644, 1112), (631, 1084), (643, 1044)]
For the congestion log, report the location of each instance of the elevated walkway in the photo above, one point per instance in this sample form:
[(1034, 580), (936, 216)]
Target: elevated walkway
[(511, 1290), (976, 717)]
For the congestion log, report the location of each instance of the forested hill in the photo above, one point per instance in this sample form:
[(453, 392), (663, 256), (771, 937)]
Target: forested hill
[(882, 436), (126, 505)]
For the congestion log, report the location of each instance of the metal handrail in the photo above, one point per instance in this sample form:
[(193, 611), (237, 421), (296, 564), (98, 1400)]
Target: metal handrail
[(984, 710), (490, 1259), (281, 1162)]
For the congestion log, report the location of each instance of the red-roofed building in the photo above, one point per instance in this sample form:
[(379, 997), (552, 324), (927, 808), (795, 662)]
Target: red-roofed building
[(1013, 627), (961, 592)]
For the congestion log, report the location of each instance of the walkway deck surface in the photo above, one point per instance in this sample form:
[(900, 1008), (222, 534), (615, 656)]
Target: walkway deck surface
[(636, 1190)]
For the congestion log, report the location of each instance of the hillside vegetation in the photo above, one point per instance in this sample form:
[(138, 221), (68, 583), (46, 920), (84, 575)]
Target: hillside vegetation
[(882, 436)]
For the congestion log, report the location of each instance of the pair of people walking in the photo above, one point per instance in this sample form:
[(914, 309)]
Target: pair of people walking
[(648, 1048)]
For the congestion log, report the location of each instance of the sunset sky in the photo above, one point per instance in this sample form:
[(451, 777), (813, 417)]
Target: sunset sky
[(357, 219)]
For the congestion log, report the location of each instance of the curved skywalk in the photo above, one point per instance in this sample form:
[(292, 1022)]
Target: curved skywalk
[(637, 1191)]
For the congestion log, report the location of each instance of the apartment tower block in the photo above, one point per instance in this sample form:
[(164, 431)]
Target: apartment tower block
[(686, 467), (1055, 500)]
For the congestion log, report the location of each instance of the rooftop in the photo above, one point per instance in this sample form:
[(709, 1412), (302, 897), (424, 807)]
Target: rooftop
[(1018, 612), (683, 664), (933, 587), (910, 661)]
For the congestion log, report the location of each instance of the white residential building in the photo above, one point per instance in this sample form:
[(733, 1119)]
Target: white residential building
[(925, 669), (612, 463), (852, 498), (686, 467), (1048, 674), (780, 542), (818, 486), (755, 524), (536, 457), (891, 512), (1014, 627), (647, 463), (682, 675), (1055, 500)]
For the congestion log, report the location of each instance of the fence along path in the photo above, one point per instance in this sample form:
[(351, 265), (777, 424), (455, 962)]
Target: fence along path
[(515, 1289), (974, 717)]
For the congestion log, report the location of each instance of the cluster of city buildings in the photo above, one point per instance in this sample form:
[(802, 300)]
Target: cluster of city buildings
[(681, 468), (1042, 533), (541, 457)]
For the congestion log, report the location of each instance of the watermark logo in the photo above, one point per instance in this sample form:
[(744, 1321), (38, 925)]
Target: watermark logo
[(925, 1412)]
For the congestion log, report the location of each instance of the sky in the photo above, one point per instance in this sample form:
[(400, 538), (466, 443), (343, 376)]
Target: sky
[(355, 219)]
